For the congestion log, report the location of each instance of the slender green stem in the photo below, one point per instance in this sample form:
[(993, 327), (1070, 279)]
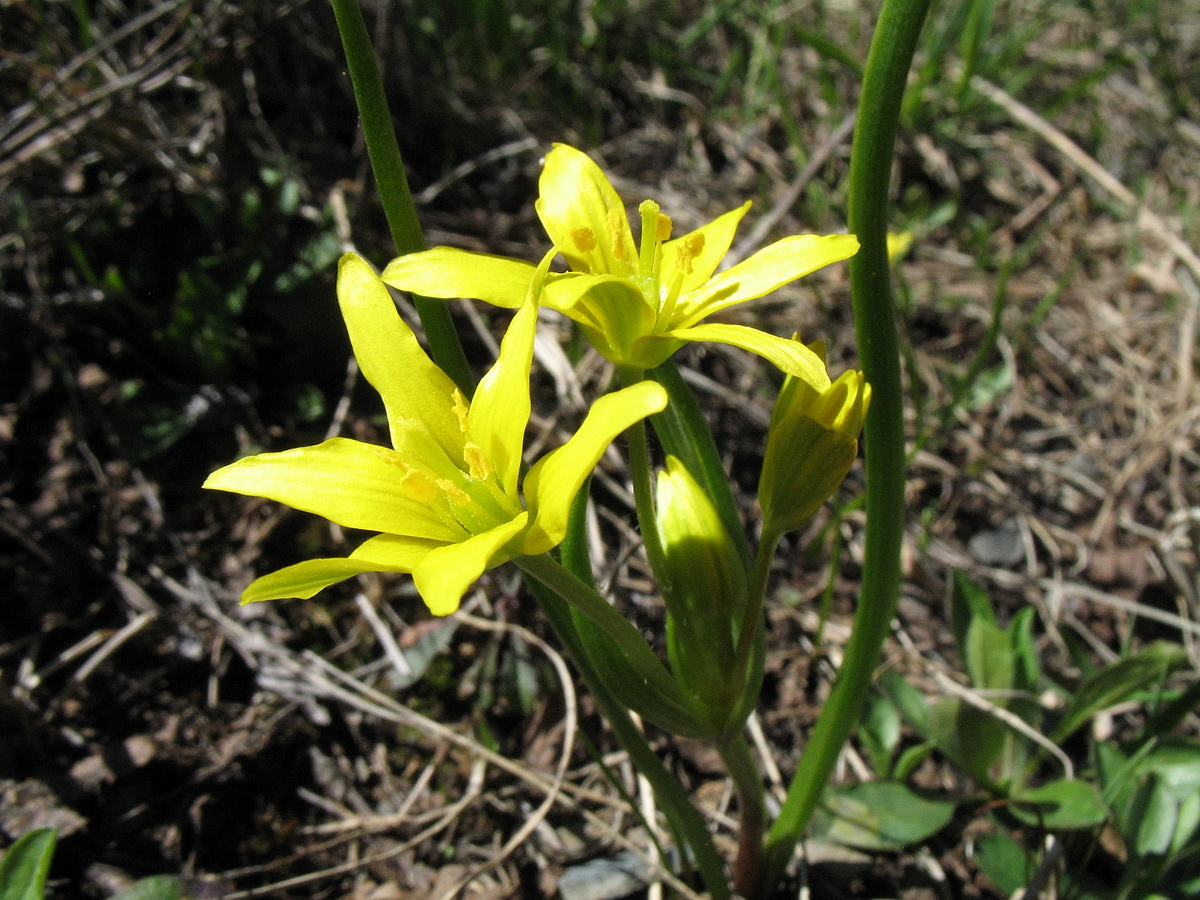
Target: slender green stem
[(643, 489), (685, 819), (888, 62), (758, 592), (748, 783), (384, 153)]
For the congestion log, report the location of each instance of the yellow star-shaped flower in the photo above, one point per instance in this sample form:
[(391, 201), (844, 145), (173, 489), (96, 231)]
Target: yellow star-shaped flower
[(444, 497), (637, 304)]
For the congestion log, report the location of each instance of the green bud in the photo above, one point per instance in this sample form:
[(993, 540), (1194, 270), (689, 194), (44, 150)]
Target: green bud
[(811, 443), (705, 588)]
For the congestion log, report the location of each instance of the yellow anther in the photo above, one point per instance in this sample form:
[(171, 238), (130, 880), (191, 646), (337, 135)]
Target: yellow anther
[(693, 246), (478, 465), (460, 409), (616, 218), (585, 239), (453, 492), (418, 486), (662, 231)]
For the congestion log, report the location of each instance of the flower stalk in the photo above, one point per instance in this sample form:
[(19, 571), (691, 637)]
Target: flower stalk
[(888, 62), (388, 166)]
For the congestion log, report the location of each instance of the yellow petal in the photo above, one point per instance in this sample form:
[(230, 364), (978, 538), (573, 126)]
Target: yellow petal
[(448, 274), (766, 270), (393, 552), (446, 572), (354, 484), (500, 409), (415, 392), (305, 579), (612, 311), (553, 482), (583, 214), (698, 253), (790, 356)]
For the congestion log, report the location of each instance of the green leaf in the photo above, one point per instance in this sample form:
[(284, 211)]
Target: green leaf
[(1027, 673), (1153, 814), (968, 602), (1114, 683), (969, 736), (1004, 861), (880, 815), (25, 866), (989, 656), (910, 759), (879, 733), (1060, 805), (156, 887), (908, 700)]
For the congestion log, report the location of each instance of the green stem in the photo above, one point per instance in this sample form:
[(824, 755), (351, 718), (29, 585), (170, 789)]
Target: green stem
[(888, 62), (758, 592), (748, 783), (643, 489), (685, 819), (384, 153)]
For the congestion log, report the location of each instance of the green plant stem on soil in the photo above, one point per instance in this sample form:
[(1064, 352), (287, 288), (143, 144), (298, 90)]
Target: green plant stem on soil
[(386, 163), (747, 782), (553, 593), (888, 62)]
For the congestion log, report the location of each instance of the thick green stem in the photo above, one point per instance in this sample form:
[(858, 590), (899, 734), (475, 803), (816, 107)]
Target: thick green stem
[(748, 783), (888, 62), (685, 819), (384, 153)]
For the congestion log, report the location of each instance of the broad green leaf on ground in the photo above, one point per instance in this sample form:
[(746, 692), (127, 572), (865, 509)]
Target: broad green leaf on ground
[(157, 887), (968, 603), (1060, 805), (25, 866), (1004, 861), (880, 815), (969, 736), (1115, 683), (989, 656)]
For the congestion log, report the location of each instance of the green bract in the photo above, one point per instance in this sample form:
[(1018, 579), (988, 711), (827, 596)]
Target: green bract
[(706, 589), (811, 443), (444, 497), (636, 304)]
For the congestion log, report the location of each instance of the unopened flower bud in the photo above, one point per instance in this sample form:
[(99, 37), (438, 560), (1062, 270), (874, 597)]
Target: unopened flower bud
[(705, 589), (811, 443)]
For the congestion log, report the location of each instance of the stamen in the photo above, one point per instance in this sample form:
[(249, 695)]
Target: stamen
[(649, 243), (418, 486), (478, 465), (460, 409), (616, 219), (663, 232), (453, 492), (692, 247), (667, 309), (585, 239)]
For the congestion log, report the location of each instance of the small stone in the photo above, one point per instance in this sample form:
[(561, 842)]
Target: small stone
[(604, 878), (998, 546)]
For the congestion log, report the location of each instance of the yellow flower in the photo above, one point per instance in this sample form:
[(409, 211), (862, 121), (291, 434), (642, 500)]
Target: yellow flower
[(811, 443), (444, 497), (637, 304)]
